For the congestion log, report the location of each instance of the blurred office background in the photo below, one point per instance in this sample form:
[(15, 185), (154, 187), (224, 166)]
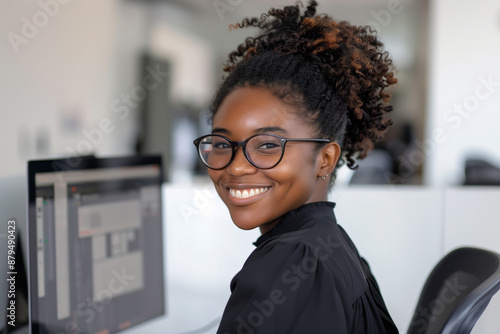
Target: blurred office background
[(120, 77), (73, 81)]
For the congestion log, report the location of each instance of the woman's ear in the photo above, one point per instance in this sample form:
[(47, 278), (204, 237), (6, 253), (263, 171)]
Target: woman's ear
[(328, 157)]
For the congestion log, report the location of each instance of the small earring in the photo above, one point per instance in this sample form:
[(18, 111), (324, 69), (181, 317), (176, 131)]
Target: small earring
[(324, 177)]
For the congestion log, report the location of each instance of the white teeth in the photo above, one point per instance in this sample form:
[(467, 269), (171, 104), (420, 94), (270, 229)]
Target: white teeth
[(247, 192)]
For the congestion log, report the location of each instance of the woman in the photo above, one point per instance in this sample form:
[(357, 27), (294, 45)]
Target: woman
[(305, 95)]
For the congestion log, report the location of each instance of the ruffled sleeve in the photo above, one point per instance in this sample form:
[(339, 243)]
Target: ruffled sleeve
[(370, 310)]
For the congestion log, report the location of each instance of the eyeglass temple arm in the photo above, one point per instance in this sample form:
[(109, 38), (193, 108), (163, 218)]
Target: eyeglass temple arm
[(309, 139)]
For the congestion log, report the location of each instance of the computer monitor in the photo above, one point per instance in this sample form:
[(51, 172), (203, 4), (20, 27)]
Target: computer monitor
[(95, 244)]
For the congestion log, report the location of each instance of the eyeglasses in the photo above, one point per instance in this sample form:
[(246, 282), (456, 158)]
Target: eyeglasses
[(263, 151)]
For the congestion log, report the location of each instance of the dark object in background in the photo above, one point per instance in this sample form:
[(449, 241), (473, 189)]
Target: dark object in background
[(457, 292), (481, 173), (376, 168), (154, 111)]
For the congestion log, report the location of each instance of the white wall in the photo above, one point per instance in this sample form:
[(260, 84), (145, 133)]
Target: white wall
[(64, 64), (60, 74), (401, 231), (398, 231), (465, 51)]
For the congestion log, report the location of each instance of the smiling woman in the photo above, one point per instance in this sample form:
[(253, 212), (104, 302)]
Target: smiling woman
[(302, 98)]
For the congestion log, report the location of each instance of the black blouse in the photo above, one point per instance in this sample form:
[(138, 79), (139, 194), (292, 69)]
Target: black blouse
[(305, 276)]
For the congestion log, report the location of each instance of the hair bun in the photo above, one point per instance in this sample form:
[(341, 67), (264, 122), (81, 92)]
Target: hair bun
[(351, 59)]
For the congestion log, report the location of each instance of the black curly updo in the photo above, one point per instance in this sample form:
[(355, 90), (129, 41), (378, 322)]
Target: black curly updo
[(333, 73)]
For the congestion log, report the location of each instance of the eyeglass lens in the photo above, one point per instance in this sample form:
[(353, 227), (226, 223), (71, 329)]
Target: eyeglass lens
[(263, 151)]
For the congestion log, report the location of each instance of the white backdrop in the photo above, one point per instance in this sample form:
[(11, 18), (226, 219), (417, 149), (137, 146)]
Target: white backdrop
[(401, 231)]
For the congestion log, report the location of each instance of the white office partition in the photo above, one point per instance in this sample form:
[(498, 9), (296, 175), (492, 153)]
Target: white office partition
[(398, 231), (401, 231), (472, 218)]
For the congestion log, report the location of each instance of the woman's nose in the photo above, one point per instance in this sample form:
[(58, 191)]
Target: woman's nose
[(240, 164)]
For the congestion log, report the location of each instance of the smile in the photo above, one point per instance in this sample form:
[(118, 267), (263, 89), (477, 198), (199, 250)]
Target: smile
[(247, 193)]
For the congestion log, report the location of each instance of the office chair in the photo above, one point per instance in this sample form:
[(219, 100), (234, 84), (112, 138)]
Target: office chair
[(456, 292)]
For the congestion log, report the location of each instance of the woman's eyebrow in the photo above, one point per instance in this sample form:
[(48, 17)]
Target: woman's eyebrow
[(221, 130), (268, 129)]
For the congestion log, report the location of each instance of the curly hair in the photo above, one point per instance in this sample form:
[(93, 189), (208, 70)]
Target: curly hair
[(335, 74)]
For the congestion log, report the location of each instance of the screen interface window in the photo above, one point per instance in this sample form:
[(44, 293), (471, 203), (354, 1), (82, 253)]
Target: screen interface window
[(99, 249)]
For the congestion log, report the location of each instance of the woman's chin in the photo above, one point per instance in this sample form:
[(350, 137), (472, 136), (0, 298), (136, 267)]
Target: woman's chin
[(249, 222), (244, 221), (245, 224)]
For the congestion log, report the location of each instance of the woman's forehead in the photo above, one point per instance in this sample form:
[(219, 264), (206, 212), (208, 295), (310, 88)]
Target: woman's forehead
[(254, 108)]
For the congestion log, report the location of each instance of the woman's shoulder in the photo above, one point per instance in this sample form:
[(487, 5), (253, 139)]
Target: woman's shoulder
[(321, 239), (315, 232), (316, 257)]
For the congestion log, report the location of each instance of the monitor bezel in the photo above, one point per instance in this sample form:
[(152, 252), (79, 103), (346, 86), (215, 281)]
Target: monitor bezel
[(71, 164)]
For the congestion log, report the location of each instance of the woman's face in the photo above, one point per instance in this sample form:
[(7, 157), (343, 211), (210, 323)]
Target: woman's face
[(290, 184)]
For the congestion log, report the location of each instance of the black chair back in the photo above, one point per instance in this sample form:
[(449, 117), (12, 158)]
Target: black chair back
[(456, 292)]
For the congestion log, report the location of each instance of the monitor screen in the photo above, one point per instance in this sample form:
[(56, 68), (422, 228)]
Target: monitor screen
[(95, 244)]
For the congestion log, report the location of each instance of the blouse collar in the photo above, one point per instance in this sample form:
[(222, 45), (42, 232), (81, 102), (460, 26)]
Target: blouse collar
[(295, 219)]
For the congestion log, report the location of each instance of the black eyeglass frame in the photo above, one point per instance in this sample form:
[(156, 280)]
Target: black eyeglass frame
[(243, 145)]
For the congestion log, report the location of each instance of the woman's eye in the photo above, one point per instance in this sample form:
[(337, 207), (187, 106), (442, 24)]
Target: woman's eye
[(221, 145), (268, 145)]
